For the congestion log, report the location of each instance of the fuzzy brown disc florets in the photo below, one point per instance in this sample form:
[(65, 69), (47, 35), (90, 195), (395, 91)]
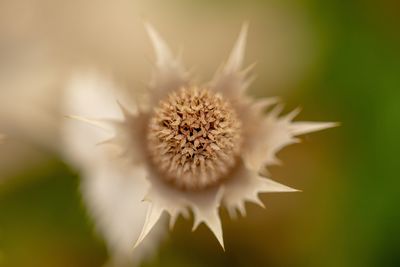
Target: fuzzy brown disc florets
[(194, 138)]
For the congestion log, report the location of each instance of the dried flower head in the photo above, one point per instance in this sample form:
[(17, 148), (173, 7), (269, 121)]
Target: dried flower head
[(194, 138), (201, 146)]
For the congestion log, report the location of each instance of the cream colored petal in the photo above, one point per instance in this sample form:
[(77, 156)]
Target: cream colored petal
[(246, 185), (169, 74), (251, 114), (165, 198), (231, 80), (164, 55), (99, 123), (274, 133), (304, 127), (236, 57)]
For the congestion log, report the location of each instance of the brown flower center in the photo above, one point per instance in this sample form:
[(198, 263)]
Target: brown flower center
[(194, 138)]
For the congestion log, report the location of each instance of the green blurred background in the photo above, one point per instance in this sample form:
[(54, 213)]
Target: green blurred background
[(348, 213)]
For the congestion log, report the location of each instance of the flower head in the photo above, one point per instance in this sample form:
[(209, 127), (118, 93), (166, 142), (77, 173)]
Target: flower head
[(201, 146), (194, 138)]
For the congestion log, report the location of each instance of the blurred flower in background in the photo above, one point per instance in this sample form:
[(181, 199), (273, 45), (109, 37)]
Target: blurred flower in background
[(339, 59), (112, 192)]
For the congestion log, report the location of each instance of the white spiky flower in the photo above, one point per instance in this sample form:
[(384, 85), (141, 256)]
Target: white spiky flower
[(202, 146)]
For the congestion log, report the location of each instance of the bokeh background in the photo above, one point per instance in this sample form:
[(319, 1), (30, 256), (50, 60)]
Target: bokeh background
[(339, 60)]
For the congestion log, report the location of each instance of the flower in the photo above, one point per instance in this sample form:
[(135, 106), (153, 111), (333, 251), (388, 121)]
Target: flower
[(201, 146)]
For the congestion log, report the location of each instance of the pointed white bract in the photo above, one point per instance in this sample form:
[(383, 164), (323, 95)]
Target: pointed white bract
[(245, 186), (231, 79), (274, 133), (164, 198), (169, 73), (196, 144), (236, 58)]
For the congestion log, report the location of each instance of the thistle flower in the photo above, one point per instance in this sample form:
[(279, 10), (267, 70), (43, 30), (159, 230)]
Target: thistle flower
[(202, 146)]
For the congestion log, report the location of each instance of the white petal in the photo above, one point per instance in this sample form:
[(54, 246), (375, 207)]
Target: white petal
[(273, 133), (169, 74), (163, 52), (236, 57), (246, 185), (163, 197), (303, 127), (100, 123), (206, 211), (153, 216), (231, 80)]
